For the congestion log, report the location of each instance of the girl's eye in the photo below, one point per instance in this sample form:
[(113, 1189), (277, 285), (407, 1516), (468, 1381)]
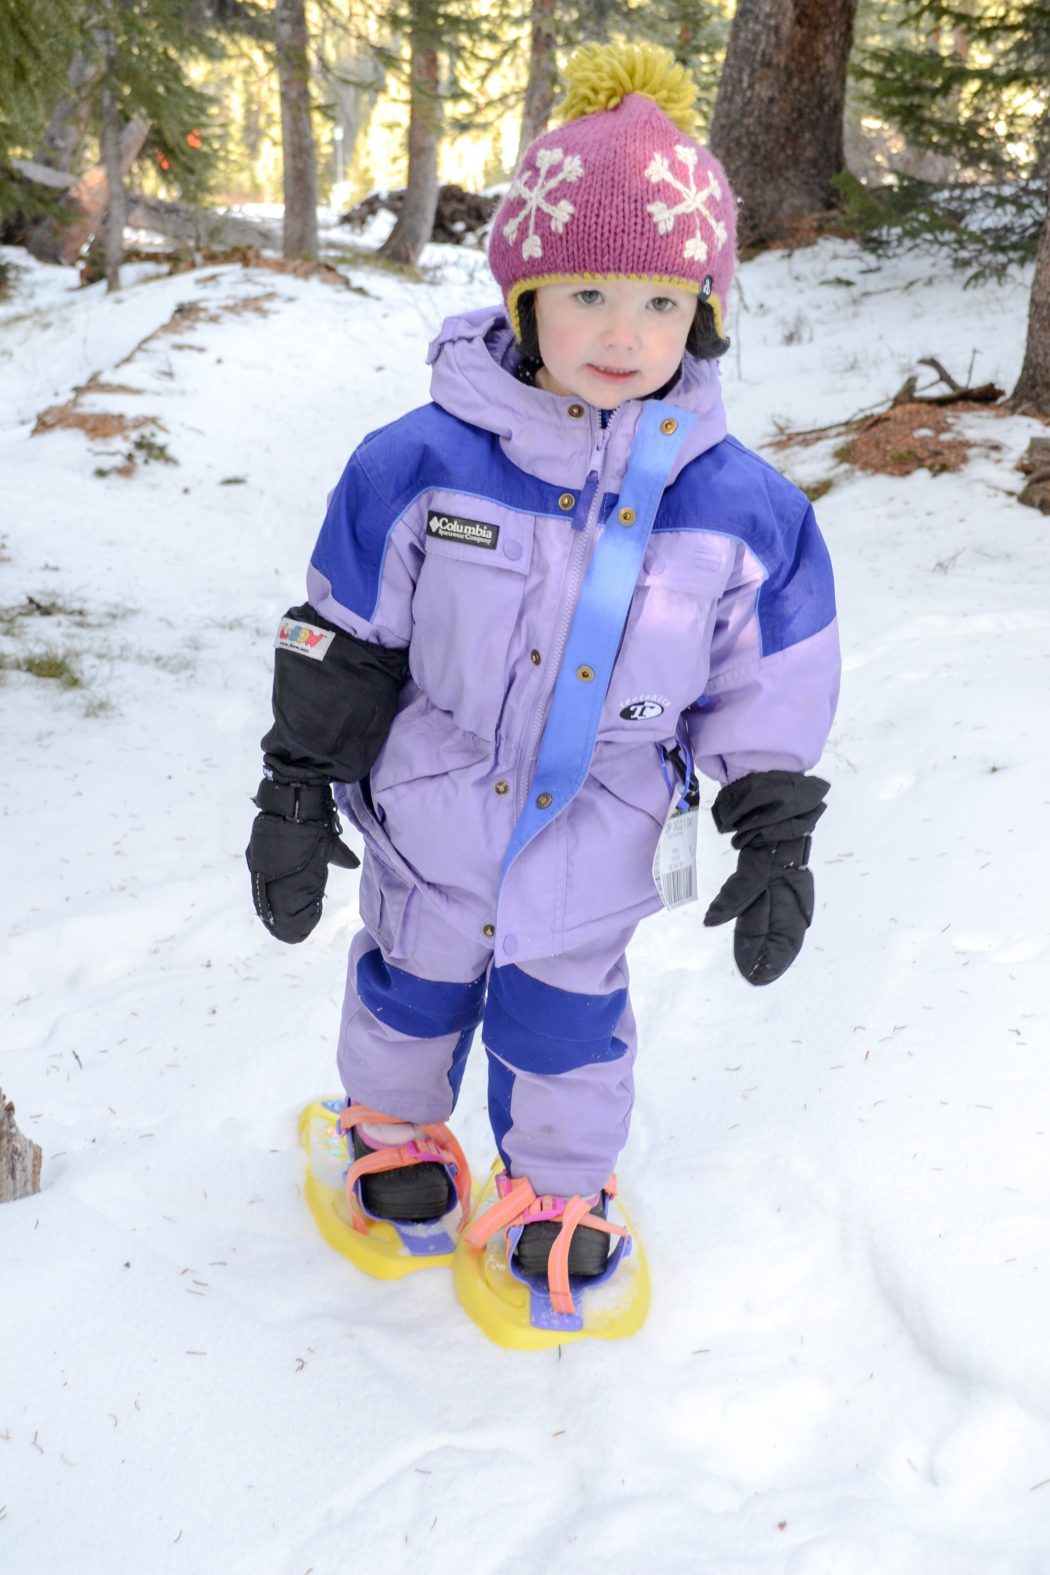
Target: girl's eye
[(662, 303), (588, 297)]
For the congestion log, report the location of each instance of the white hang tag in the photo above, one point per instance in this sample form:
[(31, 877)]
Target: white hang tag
[(674, 862)]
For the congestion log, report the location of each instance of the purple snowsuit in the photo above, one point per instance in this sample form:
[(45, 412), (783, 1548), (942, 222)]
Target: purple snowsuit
[(511, 818)]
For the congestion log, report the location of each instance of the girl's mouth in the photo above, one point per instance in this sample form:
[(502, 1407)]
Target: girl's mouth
[(610, 371)]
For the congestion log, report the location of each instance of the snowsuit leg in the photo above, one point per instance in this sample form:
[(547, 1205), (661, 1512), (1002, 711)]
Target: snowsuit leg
[(415, 991), (561, 1042), (559, 1032)]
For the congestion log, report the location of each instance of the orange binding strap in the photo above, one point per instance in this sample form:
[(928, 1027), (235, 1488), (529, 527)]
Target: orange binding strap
[(442, 1149), (515, 1202), (519, 1204), (577, 1212)]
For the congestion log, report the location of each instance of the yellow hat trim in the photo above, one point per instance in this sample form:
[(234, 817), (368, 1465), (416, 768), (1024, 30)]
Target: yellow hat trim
[(600, 76), (599, 278)]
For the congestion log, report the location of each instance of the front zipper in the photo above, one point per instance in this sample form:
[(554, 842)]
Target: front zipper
[(577, 559)]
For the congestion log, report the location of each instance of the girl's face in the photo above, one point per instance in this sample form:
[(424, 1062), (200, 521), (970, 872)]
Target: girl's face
[(610, 341)]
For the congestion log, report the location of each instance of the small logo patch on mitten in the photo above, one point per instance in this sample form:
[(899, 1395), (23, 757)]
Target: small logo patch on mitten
[(305, 639)]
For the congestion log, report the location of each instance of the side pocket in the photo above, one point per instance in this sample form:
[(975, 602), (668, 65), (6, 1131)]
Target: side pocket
[(382, 900)]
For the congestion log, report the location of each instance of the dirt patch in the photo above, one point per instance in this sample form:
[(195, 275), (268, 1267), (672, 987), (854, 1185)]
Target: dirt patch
[(910, 436), (95, 385), (93, 423), (248, 257), (188, 313)]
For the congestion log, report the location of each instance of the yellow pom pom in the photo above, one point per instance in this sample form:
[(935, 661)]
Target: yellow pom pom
[(599, 76)]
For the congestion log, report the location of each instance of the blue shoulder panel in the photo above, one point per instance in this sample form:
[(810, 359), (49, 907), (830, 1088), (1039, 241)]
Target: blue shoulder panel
[(731, 491), (426, 450)]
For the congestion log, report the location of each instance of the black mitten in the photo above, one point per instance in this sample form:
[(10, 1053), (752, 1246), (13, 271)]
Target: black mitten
[(770, 894), (294, 838)]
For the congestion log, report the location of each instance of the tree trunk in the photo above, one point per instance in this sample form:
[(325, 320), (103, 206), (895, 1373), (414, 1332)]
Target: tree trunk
[(1033, 386), (19, 1158), (297, 137), (109, 147), (777, 125), (539, 92), (70, 117), (416, 219)]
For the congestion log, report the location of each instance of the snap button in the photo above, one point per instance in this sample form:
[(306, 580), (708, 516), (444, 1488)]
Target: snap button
[(566, 502), (535, 658), (512, 549), (576, 411), (488, 930), (627, 516), (584, 673), (544, 801), (502, 788), (668, 426)]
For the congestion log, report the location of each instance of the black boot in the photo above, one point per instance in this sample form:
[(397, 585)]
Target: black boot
[(412, 1193), (588, 1249)]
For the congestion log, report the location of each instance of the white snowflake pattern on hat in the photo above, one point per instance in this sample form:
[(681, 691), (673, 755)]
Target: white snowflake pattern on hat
[(535, 198), (693, 201)]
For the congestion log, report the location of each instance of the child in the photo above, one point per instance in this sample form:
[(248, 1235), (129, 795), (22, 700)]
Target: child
[(533, 604)]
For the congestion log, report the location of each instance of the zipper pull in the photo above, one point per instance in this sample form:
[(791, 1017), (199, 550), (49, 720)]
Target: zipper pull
[(583, 502)]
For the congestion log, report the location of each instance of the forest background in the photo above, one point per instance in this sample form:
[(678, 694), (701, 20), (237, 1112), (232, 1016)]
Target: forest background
[(886, 119)]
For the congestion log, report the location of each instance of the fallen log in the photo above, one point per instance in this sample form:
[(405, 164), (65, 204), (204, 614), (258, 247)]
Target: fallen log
[(459, 218), (200, 228), (61, 238), (1035, 464), (20, 1158), (188, 227)]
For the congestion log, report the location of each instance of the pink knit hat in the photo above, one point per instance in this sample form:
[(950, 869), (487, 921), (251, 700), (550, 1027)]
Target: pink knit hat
[(620, 190)]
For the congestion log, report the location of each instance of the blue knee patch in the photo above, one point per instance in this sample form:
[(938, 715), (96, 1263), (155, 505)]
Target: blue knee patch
[(501, 1086), (459, 1063), (539, 1028), (423, 1008)]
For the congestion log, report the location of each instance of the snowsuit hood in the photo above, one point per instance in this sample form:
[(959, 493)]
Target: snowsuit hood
[(474, 359)]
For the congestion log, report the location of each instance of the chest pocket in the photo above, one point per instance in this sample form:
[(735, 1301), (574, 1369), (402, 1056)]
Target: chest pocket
[(465, 609), (664, 657)]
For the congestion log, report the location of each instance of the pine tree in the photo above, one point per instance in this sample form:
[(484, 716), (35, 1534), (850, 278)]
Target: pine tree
[(36, 43), (297, 138), (966, 81), (541, 87), (972, 86), (415, 222), (778, 119)]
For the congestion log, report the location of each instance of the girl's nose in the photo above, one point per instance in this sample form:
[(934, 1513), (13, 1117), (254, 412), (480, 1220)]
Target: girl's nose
[(621, 332)]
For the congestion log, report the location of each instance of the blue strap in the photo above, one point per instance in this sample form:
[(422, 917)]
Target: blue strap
[(597, 627)]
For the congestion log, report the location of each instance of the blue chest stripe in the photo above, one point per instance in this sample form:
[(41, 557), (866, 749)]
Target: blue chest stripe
[(597, 627)]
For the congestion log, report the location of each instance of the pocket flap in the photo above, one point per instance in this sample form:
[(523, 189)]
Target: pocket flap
[(469, 531), (690, 561)]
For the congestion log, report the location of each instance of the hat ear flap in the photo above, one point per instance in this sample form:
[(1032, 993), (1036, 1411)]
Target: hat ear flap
[(528, 332), (704, 341)]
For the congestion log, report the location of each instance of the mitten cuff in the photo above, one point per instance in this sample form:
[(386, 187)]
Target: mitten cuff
[(298, 802), (767, 807)]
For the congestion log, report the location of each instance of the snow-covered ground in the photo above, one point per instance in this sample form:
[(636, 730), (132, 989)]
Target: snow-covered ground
[(843, 1182)]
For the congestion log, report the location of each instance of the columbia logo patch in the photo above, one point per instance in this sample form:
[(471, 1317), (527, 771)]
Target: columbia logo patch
[(305, 639), (453, 527)]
